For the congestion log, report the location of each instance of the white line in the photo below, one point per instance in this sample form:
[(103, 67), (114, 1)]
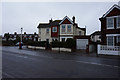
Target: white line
[(70, 60), (98, 64)]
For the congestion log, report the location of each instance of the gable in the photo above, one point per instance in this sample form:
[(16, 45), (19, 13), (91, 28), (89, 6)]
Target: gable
[(114, 12), (66, 20)]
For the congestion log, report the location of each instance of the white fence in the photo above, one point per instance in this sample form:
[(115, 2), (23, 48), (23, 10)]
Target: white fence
[(108, 50)]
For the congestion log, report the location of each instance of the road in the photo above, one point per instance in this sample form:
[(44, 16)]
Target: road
[(28, 63)]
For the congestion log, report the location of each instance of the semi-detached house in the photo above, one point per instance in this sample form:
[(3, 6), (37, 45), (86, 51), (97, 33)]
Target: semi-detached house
[(59, 30)]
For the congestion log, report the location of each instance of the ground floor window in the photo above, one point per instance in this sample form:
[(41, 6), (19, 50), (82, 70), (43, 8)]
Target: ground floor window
[(118, 39), (110, 40)]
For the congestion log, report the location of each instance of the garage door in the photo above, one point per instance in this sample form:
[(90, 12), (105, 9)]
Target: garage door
[(81, 43)]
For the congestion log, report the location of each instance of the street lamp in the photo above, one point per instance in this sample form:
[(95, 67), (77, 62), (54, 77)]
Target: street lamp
[(20, 44), (21, 34)]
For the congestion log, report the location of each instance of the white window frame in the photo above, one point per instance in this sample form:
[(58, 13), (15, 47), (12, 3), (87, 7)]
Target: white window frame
[(117, 22), (117, 38), (62, 28), (107, 22), (70, 28), (53, 28), (107, 40)]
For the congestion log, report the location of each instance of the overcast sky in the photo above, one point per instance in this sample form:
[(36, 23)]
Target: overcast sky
[(29, 14)]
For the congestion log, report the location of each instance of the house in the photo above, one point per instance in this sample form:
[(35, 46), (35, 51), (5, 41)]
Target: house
[(110, 31), (110, 26), (96, 36), (59, 30), (15, 36)]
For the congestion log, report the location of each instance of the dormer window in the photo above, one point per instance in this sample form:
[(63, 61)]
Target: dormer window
[(110, 23)]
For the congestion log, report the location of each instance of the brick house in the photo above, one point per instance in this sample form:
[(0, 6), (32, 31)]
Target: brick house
[(59, 30), (110, 32), (110, 26)]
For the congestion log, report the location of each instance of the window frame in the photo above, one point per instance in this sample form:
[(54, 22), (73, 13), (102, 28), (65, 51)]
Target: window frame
[(117, 39), (48, 30), (69, 28), (117, 21), (108, 41), (62, 29), (53, 28), (80, 32), (107, 22)]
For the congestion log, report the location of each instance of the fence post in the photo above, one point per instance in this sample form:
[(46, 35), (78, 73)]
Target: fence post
[(98, 50)]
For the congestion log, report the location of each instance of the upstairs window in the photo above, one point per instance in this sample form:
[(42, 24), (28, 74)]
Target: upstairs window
[(118, 22), (47, 30), (110, 23), (69, 28), (80, 33), (63, 28), (54, 29)]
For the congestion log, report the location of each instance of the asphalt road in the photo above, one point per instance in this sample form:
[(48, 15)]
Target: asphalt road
[(45, 64)]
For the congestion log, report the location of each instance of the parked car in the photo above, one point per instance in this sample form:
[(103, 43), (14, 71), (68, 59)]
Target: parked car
[(17, 44)]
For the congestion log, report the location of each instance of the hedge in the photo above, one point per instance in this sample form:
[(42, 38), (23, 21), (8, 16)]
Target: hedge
[(57, 44), (37, 43), (70, 43)]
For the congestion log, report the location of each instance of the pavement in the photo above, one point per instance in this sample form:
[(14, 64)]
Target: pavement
[(27, 63)]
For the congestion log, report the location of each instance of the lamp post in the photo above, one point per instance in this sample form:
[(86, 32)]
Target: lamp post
[(20, 44)]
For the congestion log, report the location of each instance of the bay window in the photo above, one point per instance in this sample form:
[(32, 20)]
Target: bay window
[(69, 28), (63, 28)]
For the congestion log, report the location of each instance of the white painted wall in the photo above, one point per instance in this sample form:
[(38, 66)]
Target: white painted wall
[(43, 35)]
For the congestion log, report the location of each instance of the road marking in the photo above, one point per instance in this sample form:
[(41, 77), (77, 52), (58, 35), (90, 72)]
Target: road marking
[(97, 64), (68, 60), (10, 76)]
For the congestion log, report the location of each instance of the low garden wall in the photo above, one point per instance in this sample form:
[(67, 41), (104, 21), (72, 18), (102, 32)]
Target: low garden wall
[(62, 49), (34, 47)]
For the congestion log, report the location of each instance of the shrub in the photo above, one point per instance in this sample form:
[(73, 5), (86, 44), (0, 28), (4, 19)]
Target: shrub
[(70, 43), (7, 43), (57, 44)]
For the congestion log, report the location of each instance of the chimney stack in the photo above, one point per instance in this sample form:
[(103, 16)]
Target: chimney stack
[(73, 19), (50, 20)]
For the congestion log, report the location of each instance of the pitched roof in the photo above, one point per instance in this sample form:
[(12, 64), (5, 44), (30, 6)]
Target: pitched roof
[(66, 18), (55, 23), (43, 25), (114, 6)]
